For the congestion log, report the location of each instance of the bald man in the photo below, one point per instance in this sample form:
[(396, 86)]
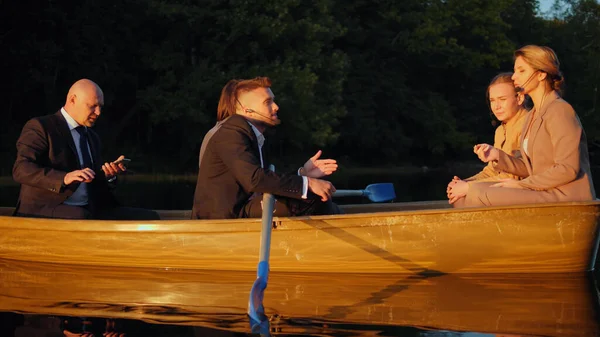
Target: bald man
[(59, 166)]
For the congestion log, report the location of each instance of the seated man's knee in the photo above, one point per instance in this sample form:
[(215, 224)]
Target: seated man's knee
[(328, 207), (71, 212)]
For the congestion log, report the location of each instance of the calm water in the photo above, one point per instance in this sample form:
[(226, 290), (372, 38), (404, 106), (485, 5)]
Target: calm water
[(55, 300), (179, 193)]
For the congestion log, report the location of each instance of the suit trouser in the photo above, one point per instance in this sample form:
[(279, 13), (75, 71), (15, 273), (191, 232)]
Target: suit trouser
[(290, 207), (482, 194)]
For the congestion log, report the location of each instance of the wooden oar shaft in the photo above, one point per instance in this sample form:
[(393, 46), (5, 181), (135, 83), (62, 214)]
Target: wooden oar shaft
[(268, 203), (349, 193), (267, 224)]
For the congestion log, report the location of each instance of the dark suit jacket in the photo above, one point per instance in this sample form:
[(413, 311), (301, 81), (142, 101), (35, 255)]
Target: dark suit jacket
[(46, 152), (230, 173)]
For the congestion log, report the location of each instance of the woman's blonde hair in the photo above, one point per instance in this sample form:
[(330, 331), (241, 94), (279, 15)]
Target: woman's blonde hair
[(544, 59)]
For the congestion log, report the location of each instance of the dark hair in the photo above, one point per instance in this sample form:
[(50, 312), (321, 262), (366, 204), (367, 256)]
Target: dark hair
[(229, 95)]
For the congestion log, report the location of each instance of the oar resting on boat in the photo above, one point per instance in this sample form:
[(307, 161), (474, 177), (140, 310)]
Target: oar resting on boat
[(381, 192)]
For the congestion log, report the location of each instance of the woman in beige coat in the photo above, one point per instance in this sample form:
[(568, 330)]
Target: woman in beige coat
[(507, 107), (554, 161)]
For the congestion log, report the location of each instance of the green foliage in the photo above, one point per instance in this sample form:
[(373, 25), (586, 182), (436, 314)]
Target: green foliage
[(576, 40), (201, 46), (416, 84), (402, 82)]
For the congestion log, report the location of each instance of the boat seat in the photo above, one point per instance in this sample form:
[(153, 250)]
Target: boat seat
[(6, 211)]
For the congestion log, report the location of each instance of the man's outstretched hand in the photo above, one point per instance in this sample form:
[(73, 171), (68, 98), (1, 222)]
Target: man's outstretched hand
[(317, 168)]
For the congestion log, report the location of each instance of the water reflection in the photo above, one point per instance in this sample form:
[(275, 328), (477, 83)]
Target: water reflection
[(179, 193), (150, 302), (28, 325)]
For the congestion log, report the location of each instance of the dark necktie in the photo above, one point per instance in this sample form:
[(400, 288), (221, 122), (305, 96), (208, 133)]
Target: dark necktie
[(83, 146)]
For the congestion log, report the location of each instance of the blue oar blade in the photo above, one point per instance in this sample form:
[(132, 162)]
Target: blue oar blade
[(381, 192), (263, 328), (256, 309)]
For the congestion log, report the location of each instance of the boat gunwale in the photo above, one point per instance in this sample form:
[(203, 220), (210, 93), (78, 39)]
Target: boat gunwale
[(241, 225)]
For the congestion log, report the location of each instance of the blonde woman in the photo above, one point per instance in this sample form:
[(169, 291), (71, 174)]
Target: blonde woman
[(506, 105), (554, 161)]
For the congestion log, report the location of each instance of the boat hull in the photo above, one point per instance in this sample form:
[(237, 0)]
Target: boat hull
[(549, 238)]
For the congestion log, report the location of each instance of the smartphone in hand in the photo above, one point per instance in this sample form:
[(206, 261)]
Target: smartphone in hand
[(125, 161)]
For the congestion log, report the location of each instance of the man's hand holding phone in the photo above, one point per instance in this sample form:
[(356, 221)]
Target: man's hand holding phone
[(113, 168)]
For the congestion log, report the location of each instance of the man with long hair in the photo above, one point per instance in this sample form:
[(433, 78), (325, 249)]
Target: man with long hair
[(233, 165)]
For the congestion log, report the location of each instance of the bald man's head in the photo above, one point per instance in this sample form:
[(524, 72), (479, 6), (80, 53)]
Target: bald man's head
[(84, 102)]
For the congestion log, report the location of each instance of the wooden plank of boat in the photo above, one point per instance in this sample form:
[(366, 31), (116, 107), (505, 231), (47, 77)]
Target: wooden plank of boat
[(544, 238), (516, 304)]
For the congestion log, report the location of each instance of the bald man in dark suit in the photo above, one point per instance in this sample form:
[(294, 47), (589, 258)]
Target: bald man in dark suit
[(59, 166)]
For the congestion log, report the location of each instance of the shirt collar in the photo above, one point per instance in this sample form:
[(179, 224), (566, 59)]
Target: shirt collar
[(70, 121), (259, 136)]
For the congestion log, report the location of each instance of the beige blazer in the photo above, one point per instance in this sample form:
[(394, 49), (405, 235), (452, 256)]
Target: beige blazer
[(556, 160), (508, 139)]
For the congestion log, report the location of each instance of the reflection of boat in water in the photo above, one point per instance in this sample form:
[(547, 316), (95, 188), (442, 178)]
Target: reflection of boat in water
[(521, 304), (371, 238)]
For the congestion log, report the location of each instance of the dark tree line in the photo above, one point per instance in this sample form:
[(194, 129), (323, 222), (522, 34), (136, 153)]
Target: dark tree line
[(377, 82)]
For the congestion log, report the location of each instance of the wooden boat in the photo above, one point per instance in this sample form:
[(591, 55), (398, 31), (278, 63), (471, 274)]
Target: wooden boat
[(370, 238), (310, 303)]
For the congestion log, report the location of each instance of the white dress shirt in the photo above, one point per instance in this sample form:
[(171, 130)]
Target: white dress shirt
[(261, 142), (80, 196)]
